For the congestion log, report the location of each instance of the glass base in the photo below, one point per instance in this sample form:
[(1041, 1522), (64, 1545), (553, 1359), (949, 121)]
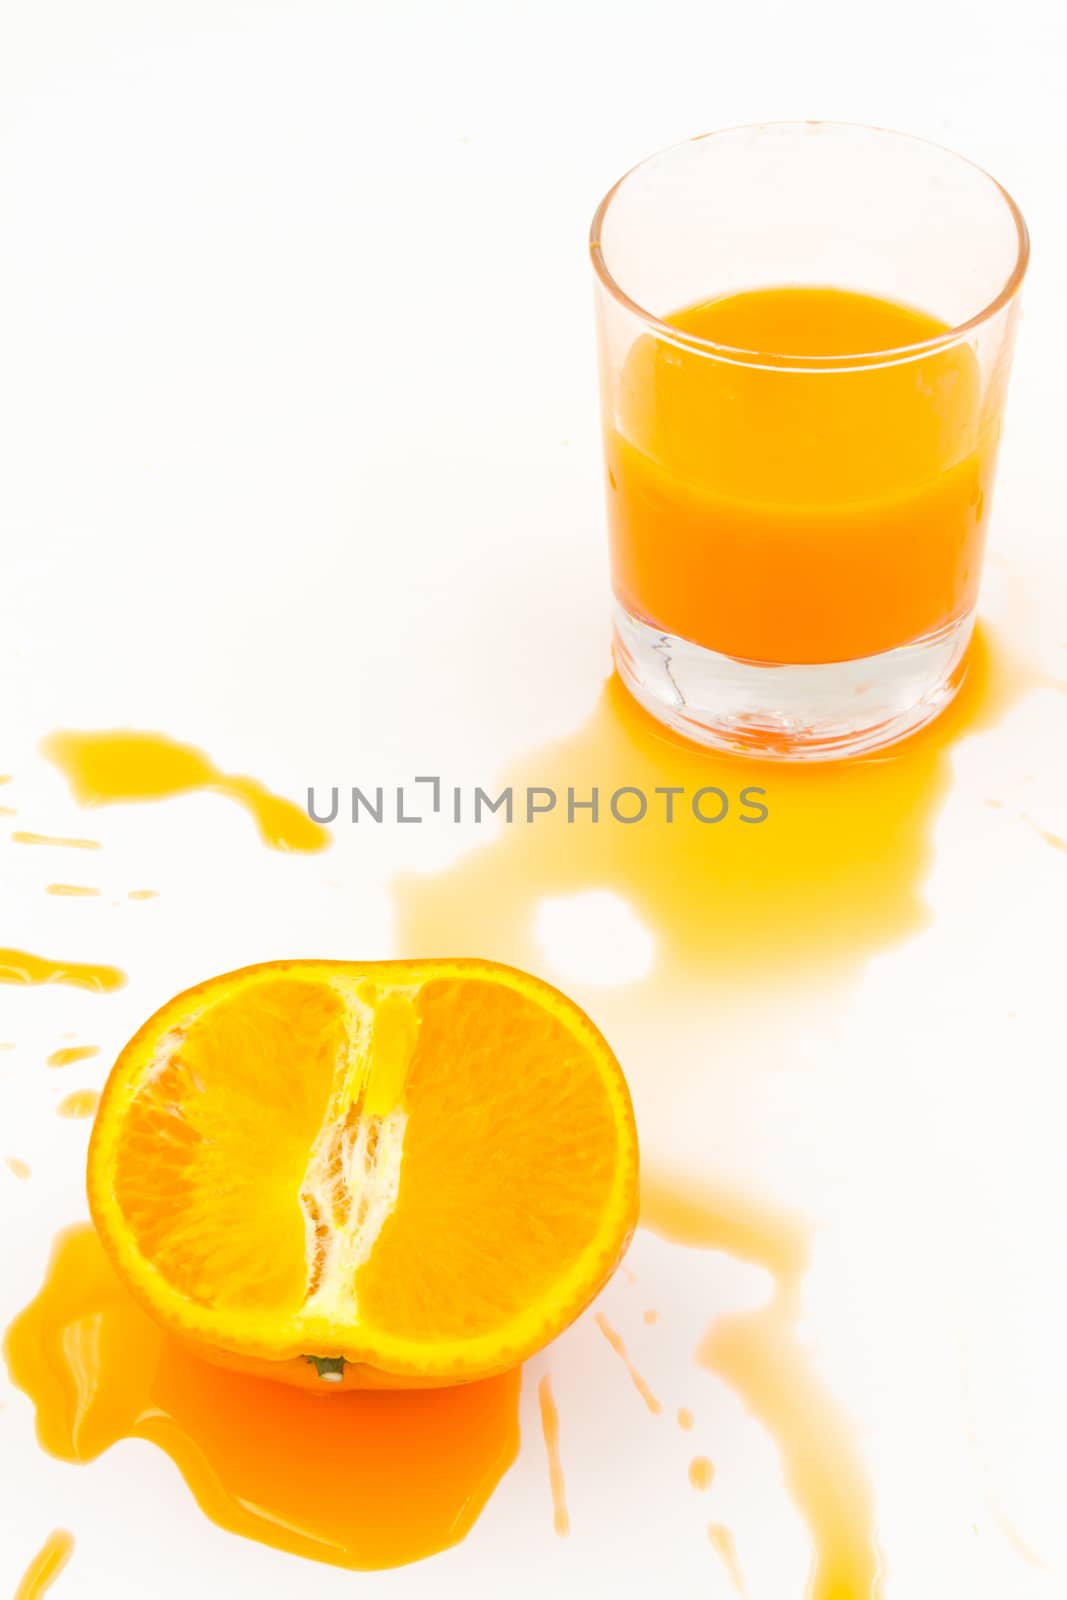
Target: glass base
[(824, 712)]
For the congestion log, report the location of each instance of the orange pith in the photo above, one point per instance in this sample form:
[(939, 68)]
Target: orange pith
[(427, 1168)]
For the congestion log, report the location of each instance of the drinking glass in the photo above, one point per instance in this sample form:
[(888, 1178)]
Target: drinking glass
[(805, 332)]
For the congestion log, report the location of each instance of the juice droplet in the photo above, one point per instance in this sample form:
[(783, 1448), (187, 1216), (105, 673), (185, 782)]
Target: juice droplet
[(616, 1342), (701, 1472), (55, 839), (46, 1565), (126, 765), (71, 1053), (143, 894), (651, 1316), (359, 1478), (1052, 839), (8, 811), (19, 1168), (19, 966), (70, 890), (550, 1428), (723, 1541), (81, 1103), (1022, 1548)]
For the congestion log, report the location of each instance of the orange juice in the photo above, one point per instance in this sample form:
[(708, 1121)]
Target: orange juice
[(360, 1480), (783, 513)]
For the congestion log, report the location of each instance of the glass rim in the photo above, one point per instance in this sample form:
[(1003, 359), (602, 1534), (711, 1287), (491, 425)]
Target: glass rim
[(776, 361)]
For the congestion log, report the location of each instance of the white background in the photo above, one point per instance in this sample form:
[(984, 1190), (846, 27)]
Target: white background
[(299, 444)]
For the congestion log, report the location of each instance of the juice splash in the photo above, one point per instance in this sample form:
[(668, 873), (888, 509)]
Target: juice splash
[(722, 1541), (19, 966), (800, 516), (110, 767), (615, 1340), (761, 1358), (360, 1480), (80, 1103), (546, 1400), (56, 840), (46, 1565), (68, 1054), (743, 917)]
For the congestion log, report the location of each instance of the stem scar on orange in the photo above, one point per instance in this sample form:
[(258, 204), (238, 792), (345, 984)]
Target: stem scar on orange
[(380, 1174)]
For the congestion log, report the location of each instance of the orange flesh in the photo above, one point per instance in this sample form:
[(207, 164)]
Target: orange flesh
[(788, 516), (360, 1480), (427, 1169), (466, 1204)]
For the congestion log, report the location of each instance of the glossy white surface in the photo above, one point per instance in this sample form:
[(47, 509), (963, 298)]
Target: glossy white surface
[(301, 465)]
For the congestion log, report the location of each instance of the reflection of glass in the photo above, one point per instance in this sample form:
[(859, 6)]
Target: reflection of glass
[(805, 337)]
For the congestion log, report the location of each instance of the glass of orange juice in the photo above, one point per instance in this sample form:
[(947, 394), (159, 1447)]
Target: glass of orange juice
[(805, 334)]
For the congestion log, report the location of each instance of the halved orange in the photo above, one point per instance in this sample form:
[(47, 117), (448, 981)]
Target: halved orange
[(394, 1173)]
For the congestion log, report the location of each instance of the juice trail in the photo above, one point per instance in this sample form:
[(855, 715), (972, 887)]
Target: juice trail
[(46, 1565), (550, 1429), (747, 921), (19, 966), (615, 1340), (360, 1480), (723, 1542), (70, 1053), (123, 765), (79, 1104), (71, 891), (57, 840), (761, 1358)]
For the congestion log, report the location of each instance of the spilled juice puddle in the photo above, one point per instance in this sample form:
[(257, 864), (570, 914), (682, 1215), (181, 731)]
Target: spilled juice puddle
[(831, 876), (46, 1565), (359, 1480), (783, 908), (110, 767), (19, 966)]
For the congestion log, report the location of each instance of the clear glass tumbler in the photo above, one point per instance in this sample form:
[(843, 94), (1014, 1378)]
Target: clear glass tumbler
[(805, 333)]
